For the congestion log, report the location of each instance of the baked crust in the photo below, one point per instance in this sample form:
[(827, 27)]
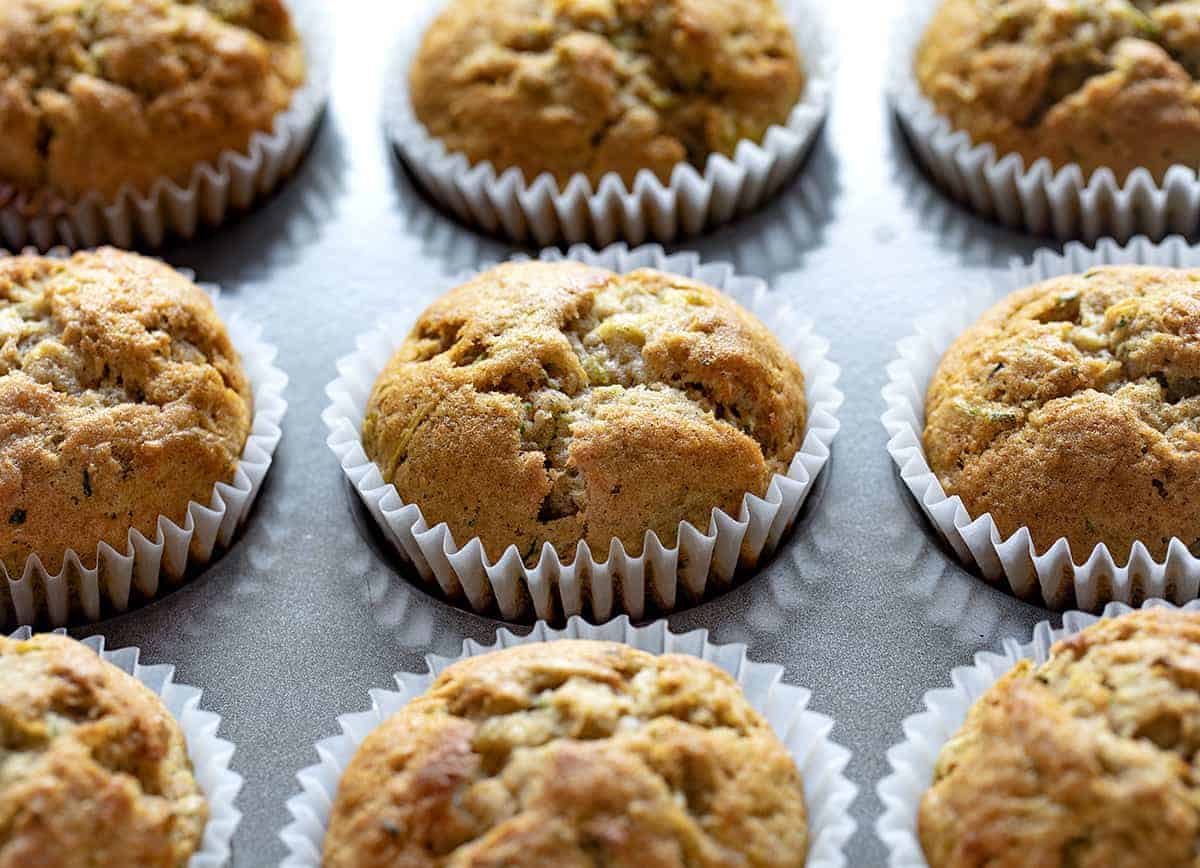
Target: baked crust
[(555, 402), (1073, 408), (1086, 760), (598, 86), (94, 769), (97, 94), (1102, 84), (121, 399), (572, 753)]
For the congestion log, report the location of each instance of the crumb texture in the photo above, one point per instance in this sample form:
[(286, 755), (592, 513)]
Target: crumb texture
[(96, 94), (93, 768), (1110, 83), (554, 402), (598, 86), (577, 754), (121, 399), (1073, 408), (1086, 760)]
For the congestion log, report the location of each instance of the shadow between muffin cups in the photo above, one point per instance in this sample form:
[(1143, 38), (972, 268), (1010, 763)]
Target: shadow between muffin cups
[(913, 760), (828, 794), (1053, 575), (148, 568), (214, 191), (701, 562), (209, 754), (539, 210), (1037, 198)]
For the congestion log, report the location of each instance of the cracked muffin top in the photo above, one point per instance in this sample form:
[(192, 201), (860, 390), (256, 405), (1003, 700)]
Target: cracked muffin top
[(599, 86), (572, 753), (1102, 83), (96, 94), (121, 399), (93, 768), (1073, 408), (548, 403), (1086, 760)]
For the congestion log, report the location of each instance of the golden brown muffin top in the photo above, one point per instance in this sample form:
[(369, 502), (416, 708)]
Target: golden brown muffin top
[(1073, 408), (1086, 760), (554, 402), (573, 754), (1102, 83), (121, 398), (93, 768), (95, 94), (598, 86)]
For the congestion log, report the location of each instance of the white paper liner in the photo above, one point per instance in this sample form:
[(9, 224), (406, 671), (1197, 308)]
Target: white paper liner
[(506, 203), (1060, 581), (215, 190), (79, 593), (913, 760), (822, 763), (699, 563), (1037, 198), (209, 754)]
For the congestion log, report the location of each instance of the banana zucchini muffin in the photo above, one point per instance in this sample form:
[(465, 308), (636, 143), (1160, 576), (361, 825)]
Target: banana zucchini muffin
[(1110, 83), (572, 753), (121, 399), (557, 402), (1086, 760), (94, 769), (599, 86), (97, 94), (1073, 408)]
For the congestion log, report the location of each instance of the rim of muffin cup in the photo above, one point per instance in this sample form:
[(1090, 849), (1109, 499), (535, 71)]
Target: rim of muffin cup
[(508, 204), (147, 568), (912, 761), (1037, 198), (702, 564), (1055, 574), (215, 190), (828, 793), (209, 754)]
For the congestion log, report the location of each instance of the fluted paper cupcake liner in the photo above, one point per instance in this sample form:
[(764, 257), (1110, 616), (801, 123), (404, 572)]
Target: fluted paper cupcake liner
[(539, 210), (1054, 575), (822, 763), (1035, 198), (215, 190), (701, 561), (148, 567), (209, 754), (914, 759)]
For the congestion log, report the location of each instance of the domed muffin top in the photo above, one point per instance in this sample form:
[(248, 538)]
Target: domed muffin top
[(572, 753), (599, 86), (1073, 408), (557, 402), (1110, 83), (97, 94), (94, 769), (121, 399)]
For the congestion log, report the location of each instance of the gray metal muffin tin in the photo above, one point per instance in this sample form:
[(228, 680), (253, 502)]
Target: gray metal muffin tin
[(306, 612)]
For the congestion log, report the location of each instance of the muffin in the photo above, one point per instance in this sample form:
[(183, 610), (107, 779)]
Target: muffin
[(121, 399), (1085, 760), (1072, 408), (557, 402), (94, 769), (572, 753), (599, 86), (99, 94), (1110, 83)]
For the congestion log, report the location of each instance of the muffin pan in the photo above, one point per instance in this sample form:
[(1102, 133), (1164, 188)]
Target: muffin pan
[(863, 604)]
